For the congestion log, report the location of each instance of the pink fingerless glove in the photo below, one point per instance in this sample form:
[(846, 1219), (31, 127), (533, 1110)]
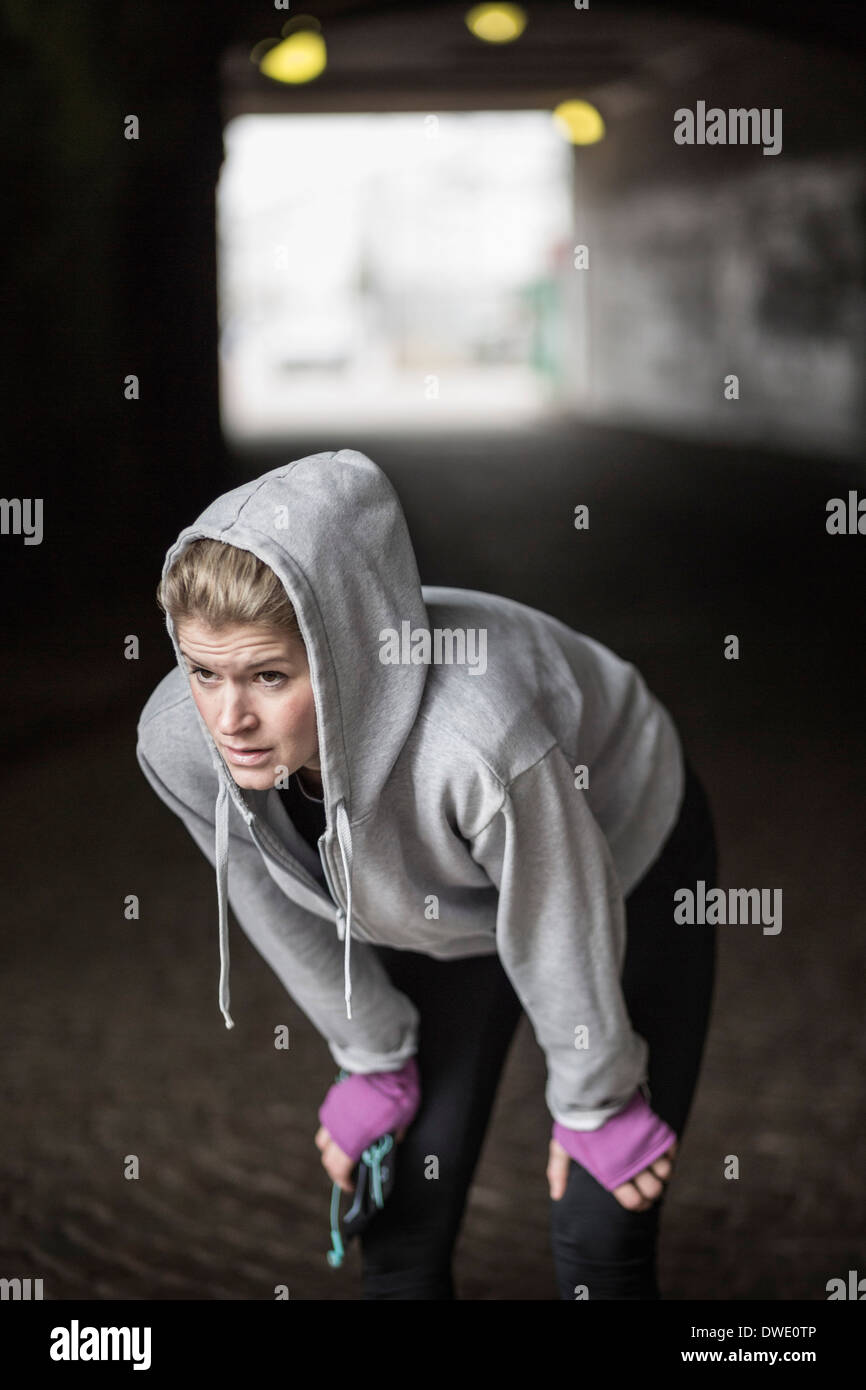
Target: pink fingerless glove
[(362, 1107), (624, 1145)]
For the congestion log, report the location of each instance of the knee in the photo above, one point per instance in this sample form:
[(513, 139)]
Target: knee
[(609, 1236), (600, 1248), (406, 1264), (407, 1251)]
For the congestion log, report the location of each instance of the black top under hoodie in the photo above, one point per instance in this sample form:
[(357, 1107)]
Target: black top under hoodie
[(307, 813)]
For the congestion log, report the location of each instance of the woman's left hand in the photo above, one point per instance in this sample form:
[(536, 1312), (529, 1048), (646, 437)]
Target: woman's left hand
[(638, 1194)]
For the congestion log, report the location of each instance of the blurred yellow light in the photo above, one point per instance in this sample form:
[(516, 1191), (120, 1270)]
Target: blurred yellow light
[(579, 122), (496, 23), (299, 58)]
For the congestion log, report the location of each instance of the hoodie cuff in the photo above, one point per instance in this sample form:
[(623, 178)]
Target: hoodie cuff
[(624, 1145), (361, 1108)]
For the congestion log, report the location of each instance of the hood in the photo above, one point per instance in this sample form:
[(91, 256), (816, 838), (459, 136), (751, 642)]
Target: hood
[(331, 527)]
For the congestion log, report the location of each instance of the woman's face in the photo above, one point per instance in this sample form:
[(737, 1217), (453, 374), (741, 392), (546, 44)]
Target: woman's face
[(252, 687)]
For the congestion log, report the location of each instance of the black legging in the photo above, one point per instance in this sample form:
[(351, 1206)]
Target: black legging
[(468, 1016)]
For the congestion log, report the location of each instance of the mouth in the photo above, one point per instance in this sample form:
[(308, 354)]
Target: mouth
[(245, 755)]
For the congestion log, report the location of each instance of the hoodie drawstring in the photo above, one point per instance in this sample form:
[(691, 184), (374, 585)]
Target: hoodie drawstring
[(344, 836), (221, 848), (221, 854)]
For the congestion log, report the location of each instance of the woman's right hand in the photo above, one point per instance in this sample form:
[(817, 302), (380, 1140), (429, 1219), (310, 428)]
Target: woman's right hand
[(361, 1108), (337, 1165)]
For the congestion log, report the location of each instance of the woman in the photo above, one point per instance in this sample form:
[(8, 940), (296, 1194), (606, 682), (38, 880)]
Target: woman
[(494, 812)]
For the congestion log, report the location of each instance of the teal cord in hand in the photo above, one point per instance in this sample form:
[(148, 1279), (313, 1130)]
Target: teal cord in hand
[(335, 1255), (373, 1158)]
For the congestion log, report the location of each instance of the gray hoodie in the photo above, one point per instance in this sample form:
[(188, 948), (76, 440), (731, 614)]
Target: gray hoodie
[(458, 820)]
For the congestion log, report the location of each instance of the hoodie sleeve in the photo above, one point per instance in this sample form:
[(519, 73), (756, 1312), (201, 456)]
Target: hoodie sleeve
[(308, 958), (560, 934)]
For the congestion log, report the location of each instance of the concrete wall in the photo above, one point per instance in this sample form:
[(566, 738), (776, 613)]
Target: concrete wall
[(712, 260)]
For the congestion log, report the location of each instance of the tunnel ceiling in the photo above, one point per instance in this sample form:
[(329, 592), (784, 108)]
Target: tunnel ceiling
[(410, 57)]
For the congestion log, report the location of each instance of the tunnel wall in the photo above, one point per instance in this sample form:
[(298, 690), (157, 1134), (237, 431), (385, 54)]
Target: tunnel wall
[(705, 261)]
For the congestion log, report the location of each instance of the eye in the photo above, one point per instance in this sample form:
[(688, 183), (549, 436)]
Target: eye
[(202, 674)]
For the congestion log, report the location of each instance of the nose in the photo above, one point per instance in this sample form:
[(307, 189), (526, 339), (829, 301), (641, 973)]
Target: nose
[(234, 713)]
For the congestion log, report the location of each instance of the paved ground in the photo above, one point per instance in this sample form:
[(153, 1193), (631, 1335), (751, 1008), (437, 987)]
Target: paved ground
[(114, 1043)]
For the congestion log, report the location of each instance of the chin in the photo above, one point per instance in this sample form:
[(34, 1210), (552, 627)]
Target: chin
[(253, 779)]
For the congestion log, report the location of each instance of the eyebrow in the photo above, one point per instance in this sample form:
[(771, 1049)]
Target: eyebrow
[(250, 666)]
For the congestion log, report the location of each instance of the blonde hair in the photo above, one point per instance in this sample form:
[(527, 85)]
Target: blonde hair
[(219, 584)]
